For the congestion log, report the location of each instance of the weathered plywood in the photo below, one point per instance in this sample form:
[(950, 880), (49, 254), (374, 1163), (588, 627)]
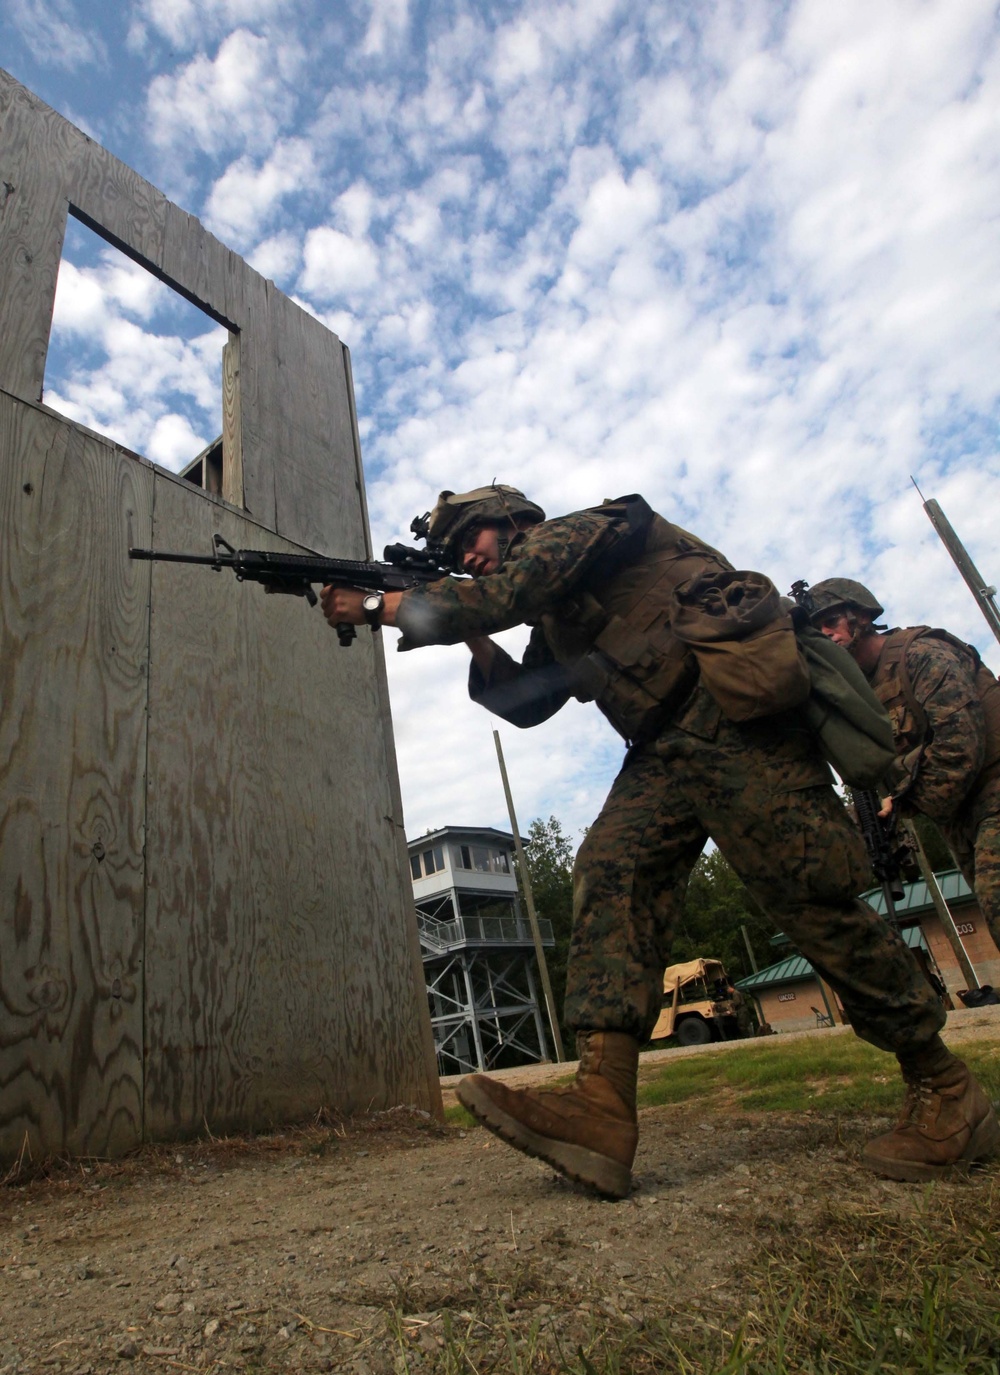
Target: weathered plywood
[(257, 956), (296, 456), (279, 968), (232, 424), (72, 749), (32, 225)]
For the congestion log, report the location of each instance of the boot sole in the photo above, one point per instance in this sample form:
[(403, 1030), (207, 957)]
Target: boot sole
[(983, 1145), (607, 1176)]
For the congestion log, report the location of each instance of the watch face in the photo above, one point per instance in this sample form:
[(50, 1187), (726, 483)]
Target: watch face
[(372, 602)]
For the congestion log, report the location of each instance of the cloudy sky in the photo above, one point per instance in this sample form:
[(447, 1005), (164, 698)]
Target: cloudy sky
[(741, 257)]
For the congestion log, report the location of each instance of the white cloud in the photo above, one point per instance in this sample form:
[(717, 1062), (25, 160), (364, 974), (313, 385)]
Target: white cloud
[(337, 265), (173, 443), (187, 23), (245, 196), (278, 257), (518, 52), (386, 26), (242, 96), (129, 377), (55, 35)]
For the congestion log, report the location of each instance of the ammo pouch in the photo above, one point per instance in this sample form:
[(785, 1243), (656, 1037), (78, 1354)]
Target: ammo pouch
[(743, 639), (851, 726), (637, 677)]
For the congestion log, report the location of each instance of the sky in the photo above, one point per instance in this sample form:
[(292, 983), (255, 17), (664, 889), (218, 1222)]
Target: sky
[(740, 257)]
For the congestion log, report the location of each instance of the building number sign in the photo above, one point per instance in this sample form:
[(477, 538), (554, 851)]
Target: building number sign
[(965, 928), (786, 997)]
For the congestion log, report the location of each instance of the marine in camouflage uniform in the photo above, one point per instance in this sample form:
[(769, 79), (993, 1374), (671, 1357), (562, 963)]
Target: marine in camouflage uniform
[(596, 587), (944, 705)]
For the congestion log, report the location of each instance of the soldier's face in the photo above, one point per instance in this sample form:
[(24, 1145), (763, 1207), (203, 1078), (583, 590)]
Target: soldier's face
[(850, 627), (481, 551), (838, 625)]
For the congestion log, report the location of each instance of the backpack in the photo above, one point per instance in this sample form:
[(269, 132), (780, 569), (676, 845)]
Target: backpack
[(758, 656)]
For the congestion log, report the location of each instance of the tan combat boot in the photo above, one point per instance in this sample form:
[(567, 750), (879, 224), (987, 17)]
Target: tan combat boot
[(587, 1130), (946, 1123)]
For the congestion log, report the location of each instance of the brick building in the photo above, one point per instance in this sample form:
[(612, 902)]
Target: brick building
[(791, 997)]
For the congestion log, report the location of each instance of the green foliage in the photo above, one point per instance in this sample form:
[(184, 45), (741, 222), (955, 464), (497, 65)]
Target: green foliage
[(549, 853), (716, 906), (938, 855)]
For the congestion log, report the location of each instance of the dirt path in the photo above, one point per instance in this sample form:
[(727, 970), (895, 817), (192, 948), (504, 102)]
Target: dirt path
[(341, 1247)]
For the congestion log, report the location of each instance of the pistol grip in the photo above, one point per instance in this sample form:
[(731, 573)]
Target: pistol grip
[(346, 633)]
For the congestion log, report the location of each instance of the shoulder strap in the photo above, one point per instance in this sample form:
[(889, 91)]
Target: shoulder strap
[(634, 516)]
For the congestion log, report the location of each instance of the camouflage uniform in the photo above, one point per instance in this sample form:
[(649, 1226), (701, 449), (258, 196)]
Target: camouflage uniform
[(760, 790), (945, 718)]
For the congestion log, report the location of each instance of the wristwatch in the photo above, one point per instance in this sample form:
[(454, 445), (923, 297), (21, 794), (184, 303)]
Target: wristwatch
[(372, 607)]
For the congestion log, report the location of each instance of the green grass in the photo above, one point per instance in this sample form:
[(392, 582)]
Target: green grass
[(866, 1290), (834, 1077)]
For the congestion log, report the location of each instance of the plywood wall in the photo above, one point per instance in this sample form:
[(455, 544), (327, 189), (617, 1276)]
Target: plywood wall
[(205, 909), (296, 461), (73, 656), (276, 975)]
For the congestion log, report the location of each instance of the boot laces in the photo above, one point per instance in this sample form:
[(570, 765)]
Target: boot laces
[(920, 1094)]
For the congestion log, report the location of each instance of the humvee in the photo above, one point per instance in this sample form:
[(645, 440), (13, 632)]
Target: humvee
[(697, 1007)]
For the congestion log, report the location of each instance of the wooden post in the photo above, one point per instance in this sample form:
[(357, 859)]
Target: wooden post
[(529, 898)]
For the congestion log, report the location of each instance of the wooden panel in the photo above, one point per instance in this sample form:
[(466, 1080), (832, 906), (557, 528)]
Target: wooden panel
[(232, 431), (116, 202), (72, 749), (209, 274), (317, 492), (34, 147), (279, 968), (260, 461), (300, 475)]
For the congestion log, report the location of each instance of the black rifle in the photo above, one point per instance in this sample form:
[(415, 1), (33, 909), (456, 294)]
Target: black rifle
[(883, 851), (294, 574)]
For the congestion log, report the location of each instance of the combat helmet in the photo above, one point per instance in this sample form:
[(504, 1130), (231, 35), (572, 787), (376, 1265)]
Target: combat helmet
[(458, 512), (833, 592)]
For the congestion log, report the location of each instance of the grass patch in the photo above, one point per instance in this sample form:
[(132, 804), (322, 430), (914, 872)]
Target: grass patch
[(837, 1076), (457, 1116), (863, 1291)]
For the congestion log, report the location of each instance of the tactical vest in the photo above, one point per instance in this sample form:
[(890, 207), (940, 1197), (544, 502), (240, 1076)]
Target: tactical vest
[(613, 632), (910, 726)]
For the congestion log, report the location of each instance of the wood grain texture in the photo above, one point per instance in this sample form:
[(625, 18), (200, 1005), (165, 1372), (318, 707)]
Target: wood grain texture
[(279, 968), (300, 475), (72, 749), (34, 147), (232, 428), (317, 491), (298, 472)]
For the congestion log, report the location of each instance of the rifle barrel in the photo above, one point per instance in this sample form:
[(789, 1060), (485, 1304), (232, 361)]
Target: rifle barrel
[(161, 557)]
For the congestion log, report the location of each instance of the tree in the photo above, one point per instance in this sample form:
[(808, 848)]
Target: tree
[(716, 906), (549, 855), (939, 857)]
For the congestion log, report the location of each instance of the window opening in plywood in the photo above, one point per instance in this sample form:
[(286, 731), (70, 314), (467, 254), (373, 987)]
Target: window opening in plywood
[(134, 360)]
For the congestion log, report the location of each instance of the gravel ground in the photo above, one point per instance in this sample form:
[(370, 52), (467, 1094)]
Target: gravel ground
[(349, 1245)]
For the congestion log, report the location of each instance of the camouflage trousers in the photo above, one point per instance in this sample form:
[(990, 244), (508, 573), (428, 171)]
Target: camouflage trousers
[(974, 840), (764, 796)]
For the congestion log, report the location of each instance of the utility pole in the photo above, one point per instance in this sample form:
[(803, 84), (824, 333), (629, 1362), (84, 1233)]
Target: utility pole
[(746, 942), (984, 593), (529, 898), (942, 909)]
